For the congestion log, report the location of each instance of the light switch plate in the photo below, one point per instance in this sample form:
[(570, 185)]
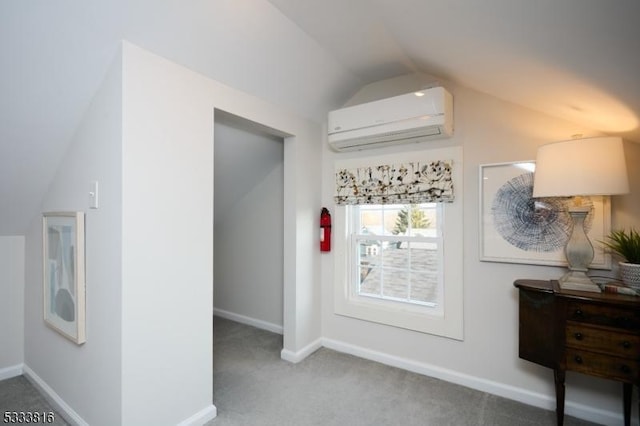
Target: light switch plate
[(93, 195)]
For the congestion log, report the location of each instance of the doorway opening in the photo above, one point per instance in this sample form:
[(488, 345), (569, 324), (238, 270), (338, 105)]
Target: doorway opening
[(248, 222)]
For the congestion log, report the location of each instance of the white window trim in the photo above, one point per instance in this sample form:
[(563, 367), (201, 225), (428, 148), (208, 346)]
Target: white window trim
[(353, 261), (403, 315)]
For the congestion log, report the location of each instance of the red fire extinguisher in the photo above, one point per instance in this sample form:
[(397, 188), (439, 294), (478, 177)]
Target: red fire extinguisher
[(325, 230)]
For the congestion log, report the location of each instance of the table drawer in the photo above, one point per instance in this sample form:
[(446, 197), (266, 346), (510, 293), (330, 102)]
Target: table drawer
[(607, 315), (607, 366), (626, 345)]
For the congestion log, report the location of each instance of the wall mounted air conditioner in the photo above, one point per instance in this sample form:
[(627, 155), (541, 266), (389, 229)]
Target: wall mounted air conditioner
[(413, 117)]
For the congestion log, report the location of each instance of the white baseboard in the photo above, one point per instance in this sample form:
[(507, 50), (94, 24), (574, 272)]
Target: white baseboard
[(54, 399), (264, 325), (201, 417), (525, 396), (13, 371), (296, 357), (285, 354), (198, 419)]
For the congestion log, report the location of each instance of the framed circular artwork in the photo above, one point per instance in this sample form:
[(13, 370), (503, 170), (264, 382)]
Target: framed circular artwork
[(517, 228)]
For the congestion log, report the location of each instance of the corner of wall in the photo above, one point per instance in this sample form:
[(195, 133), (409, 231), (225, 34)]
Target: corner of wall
[(12, 284)]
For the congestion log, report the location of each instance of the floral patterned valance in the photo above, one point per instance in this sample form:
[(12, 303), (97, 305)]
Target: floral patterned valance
[(405, 183)]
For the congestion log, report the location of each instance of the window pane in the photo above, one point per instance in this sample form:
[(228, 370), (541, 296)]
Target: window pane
[(402, 270), (381, 219), (424, 256), (423, 220), (391, 218), (394, 257), (424, 287), (369, 251), (396, 284), (371, 220), (399, 216), (368, 283)]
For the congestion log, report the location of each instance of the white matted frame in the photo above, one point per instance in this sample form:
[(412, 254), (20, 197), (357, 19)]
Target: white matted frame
[(64, 273), (515, 228)]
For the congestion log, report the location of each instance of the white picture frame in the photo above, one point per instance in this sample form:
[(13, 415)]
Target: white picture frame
[(515, 228), (64, 274)]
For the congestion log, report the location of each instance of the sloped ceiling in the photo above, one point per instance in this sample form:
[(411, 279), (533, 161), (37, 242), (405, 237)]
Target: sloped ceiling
[(244, 155), (55, 54), (576, 59)]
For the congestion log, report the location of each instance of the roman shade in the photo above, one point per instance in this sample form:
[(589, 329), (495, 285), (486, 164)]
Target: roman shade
[(404, 183)]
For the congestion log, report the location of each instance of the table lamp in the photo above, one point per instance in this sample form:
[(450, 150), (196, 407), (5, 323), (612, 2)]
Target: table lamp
[(579, 168)]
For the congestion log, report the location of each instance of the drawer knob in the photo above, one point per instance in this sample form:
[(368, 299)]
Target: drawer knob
[(578, 359), (626, 344), (578, 336), (578, 312), (625, 369)]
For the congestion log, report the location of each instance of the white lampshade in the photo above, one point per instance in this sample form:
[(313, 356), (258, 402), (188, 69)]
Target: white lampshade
[(592, 166)]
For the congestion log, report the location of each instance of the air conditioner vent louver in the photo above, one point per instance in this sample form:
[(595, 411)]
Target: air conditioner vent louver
[(389, 138), (401, 119)]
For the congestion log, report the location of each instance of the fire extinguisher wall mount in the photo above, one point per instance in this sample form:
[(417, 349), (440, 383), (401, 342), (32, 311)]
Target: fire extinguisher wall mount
[(325, 230)]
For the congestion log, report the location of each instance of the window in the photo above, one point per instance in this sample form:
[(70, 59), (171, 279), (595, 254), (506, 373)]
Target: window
[(399, 264), (397, 253)]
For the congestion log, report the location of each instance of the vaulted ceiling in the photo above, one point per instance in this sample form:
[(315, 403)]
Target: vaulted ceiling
[(575, 59)]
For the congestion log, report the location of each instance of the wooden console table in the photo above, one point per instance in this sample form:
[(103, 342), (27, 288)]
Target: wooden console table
[(592, 333)]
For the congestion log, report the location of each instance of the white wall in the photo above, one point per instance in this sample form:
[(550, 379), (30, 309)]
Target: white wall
[(148, 139), (168, 234), (248, 255), (490, 131), (167, 246), (249, 226), (301, 243), (244, 153), (86, 378), (11, 305)]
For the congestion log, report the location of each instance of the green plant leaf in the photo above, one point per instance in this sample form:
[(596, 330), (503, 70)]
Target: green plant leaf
[(624, 244)]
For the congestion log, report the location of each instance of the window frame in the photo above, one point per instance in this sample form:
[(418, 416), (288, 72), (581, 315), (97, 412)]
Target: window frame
[(448, 322), (354, 240)]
